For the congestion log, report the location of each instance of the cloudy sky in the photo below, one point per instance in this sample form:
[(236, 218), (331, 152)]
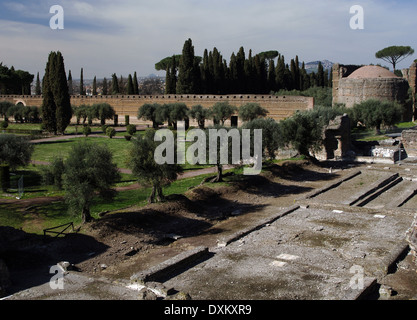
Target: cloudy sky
[(124, 36)]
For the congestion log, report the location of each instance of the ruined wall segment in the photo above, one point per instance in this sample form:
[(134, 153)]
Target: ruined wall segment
[(369, 82), (279, 107)]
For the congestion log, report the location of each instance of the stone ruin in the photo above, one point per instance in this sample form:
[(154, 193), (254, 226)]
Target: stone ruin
[(409, 141), (367, 82), (336, 140), (412, 239)]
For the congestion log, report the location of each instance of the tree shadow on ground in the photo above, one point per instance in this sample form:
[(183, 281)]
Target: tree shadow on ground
[(296, 172), (178, 216), (264, 186), (29, 257)]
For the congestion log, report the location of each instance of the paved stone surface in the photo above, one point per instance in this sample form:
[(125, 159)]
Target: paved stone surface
[(320, 250), (308, 254)]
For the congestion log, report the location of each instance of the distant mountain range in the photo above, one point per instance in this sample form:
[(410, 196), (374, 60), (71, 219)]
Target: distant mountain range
[(314, 65)]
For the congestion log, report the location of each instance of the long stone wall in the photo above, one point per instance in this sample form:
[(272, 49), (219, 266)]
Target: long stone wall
[(279, 107)]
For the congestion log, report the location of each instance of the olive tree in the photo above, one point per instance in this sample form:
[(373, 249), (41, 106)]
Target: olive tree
[(222, 111), (89, 172), (251, 111), (200, 114), (374, 113), (147, 170), (148, 112), (271, 135), (15, 151)]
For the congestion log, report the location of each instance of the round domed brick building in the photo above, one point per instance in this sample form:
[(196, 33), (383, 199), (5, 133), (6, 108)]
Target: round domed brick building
[(369, 82)]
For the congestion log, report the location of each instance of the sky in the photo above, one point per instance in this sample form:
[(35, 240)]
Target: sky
[(107, 36)]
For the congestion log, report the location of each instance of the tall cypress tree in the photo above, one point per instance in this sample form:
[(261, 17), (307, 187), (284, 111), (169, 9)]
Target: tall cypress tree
[(205, 73), (135, 84), (174, 78), (187, 75), (272, 77), (70, 87), (297, 74), (280, 73), (115, 85), (105, 90), (168, 89), (95, 86), (122, 85), (305, 78), (38, 90), (61, 95), (56, 105), (218, 74), (320, 75), (249, 73), (240, 71), (130, 89), (294, 79), (82, 91), (48, 103)]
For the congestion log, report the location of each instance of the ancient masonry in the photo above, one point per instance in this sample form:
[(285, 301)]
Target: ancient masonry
[(353, 84), (279, 107)]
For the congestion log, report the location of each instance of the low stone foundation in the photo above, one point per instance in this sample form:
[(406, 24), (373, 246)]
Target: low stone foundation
[(409, 141), (412, 239)]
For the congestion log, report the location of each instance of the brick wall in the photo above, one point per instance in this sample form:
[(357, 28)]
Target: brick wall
[(279, 107)]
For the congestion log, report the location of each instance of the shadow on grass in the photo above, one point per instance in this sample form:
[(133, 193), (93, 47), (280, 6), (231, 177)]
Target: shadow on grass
[(29, 257)]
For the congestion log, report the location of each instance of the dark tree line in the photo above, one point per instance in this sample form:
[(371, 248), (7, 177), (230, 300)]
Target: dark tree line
[(262, 73), (15, 81)]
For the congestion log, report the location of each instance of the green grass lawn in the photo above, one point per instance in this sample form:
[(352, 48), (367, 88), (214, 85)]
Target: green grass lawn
[(47, 151), (360, 134), (33, 187), (118, 147), (40, 217)]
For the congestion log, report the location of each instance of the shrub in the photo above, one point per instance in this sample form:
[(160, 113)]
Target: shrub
[(111, 132), (251, 111), (271, 135), (87, 131), (15, 151), (104, 128), (374, 113), (131, 129), (53, 174), (4, 124)]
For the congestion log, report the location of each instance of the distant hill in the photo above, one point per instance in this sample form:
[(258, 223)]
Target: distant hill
[(314, 65)]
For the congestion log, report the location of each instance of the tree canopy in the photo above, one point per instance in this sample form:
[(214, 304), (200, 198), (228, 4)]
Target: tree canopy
[(394, 54), (14, 81), (144, 167), (251, 111), (15, 151), (56, 105), (89, 170), (222, 111), (374, 113)]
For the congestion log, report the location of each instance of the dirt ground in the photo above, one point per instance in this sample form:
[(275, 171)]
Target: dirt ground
[(131, 240)]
